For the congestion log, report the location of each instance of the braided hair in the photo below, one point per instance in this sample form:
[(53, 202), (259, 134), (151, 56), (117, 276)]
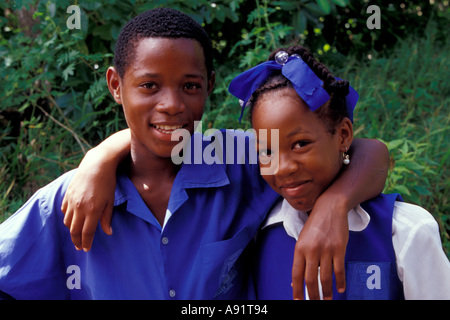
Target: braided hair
[(334, 110), (159, 23)]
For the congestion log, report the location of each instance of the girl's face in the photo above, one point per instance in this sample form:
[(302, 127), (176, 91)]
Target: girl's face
[(164, 89), (309, 157)]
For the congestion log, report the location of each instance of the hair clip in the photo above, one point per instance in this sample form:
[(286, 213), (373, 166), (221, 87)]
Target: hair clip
[(282, 57)]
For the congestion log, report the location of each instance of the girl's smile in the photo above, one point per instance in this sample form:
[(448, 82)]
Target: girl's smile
[(295, 189)]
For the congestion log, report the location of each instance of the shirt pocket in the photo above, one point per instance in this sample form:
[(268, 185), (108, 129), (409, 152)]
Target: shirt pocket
[(368, 280), (219, 260)]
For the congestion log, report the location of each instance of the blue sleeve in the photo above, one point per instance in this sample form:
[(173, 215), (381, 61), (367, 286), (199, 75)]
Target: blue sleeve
[(32, 246)]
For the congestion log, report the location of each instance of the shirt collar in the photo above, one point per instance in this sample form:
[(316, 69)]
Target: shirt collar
[(194, 172), (202, 175), (189, 176), (294, 220)]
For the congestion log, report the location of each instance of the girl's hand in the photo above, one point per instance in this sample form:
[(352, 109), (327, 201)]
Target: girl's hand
[(88, 199)]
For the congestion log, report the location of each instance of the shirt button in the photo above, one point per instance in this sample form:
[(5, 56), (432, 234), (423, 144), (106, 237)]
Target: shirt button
[(172, 293), (165, 240)]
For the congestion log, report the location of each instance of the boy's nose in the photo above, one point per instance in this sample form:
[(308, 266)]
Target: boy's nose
[(171, 103)]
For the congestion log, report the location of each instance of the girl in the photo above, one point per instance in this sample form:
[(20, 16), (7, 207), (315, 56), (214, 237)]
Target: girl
[(394, 249)]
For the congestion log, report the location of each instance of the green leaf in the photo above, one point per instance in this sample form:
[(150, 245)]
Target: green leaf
[(313, 9), (342, 3), (299, 22), (422, 191), (402, 190), (414, 165), (324, 5), (103, 32), (90, 5), (68, 71), (394, 144)]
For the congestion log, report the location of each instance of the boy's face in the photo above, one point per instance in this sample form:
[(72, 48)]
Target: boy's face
[(164, 88), (309, 157)]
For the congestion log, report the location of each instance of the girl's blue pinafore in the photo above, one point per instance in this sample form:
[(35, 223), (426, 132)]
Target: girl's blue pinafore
[(371, 270)]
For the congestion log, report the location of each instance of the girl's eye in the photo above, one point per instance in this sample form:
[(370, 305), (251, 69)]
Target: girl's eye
[(265, 153), (300, 144)]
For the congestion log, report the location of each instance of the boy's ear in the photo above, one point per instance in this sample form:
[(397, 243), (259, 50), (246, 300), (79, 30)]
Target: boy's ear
[(211, 82), (114, 84), (345, 132)]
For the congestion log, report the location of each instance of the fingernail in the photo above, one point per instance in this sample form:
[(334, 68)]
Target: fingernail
[(77, 248)]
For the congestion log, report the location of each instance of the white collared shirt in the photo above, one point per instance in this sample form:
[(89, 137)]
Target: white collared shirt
[(422, 265)]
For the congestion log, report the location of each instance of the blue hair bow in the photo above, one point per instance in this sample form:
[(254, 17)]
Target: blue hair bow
[(305, 82)]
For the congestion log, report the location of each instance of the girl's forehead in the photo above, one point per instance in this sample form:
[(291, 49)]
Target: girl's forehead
[(284, 101), (283, 109)]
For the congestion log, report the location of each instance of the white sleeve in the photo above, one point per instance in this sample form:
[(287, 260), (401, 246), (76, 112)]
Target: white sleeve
[(422, 265)]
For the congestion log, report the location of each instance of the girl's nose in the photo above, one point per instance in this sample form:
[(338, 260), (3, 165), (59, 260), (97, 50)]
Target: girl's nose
[(286, 167)]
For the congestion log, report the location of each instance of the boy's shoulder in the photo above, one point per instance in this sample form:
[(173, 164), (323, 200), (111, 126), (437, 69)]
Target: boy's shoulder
[(60, 183), (45, 200), (55, 190)]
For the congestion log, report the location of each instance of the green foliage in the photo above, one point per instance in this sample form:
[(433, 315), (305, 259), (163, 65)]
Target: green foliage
[(54, 103)]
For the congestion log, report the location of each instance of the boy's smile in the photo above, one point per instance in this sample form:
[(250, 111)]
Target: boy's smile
[(164, 89)]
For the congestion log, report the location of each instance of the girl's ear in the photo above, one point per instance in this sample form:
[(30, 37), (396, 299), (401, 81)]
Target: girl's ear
[(345, 132), (114, 84)]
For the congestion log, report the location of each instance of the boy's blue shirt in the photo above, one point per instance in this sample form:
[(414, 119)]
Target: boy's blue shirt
[(199, 253)]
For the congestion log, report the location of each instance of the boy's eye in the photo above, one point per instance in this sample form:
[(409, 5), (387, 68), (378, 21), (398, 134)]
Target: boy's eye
[(192, 87), (149, 85)]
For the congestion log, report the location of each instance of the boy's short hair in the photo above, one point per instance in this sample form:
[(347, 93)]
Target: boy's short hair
[(159, 23)]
